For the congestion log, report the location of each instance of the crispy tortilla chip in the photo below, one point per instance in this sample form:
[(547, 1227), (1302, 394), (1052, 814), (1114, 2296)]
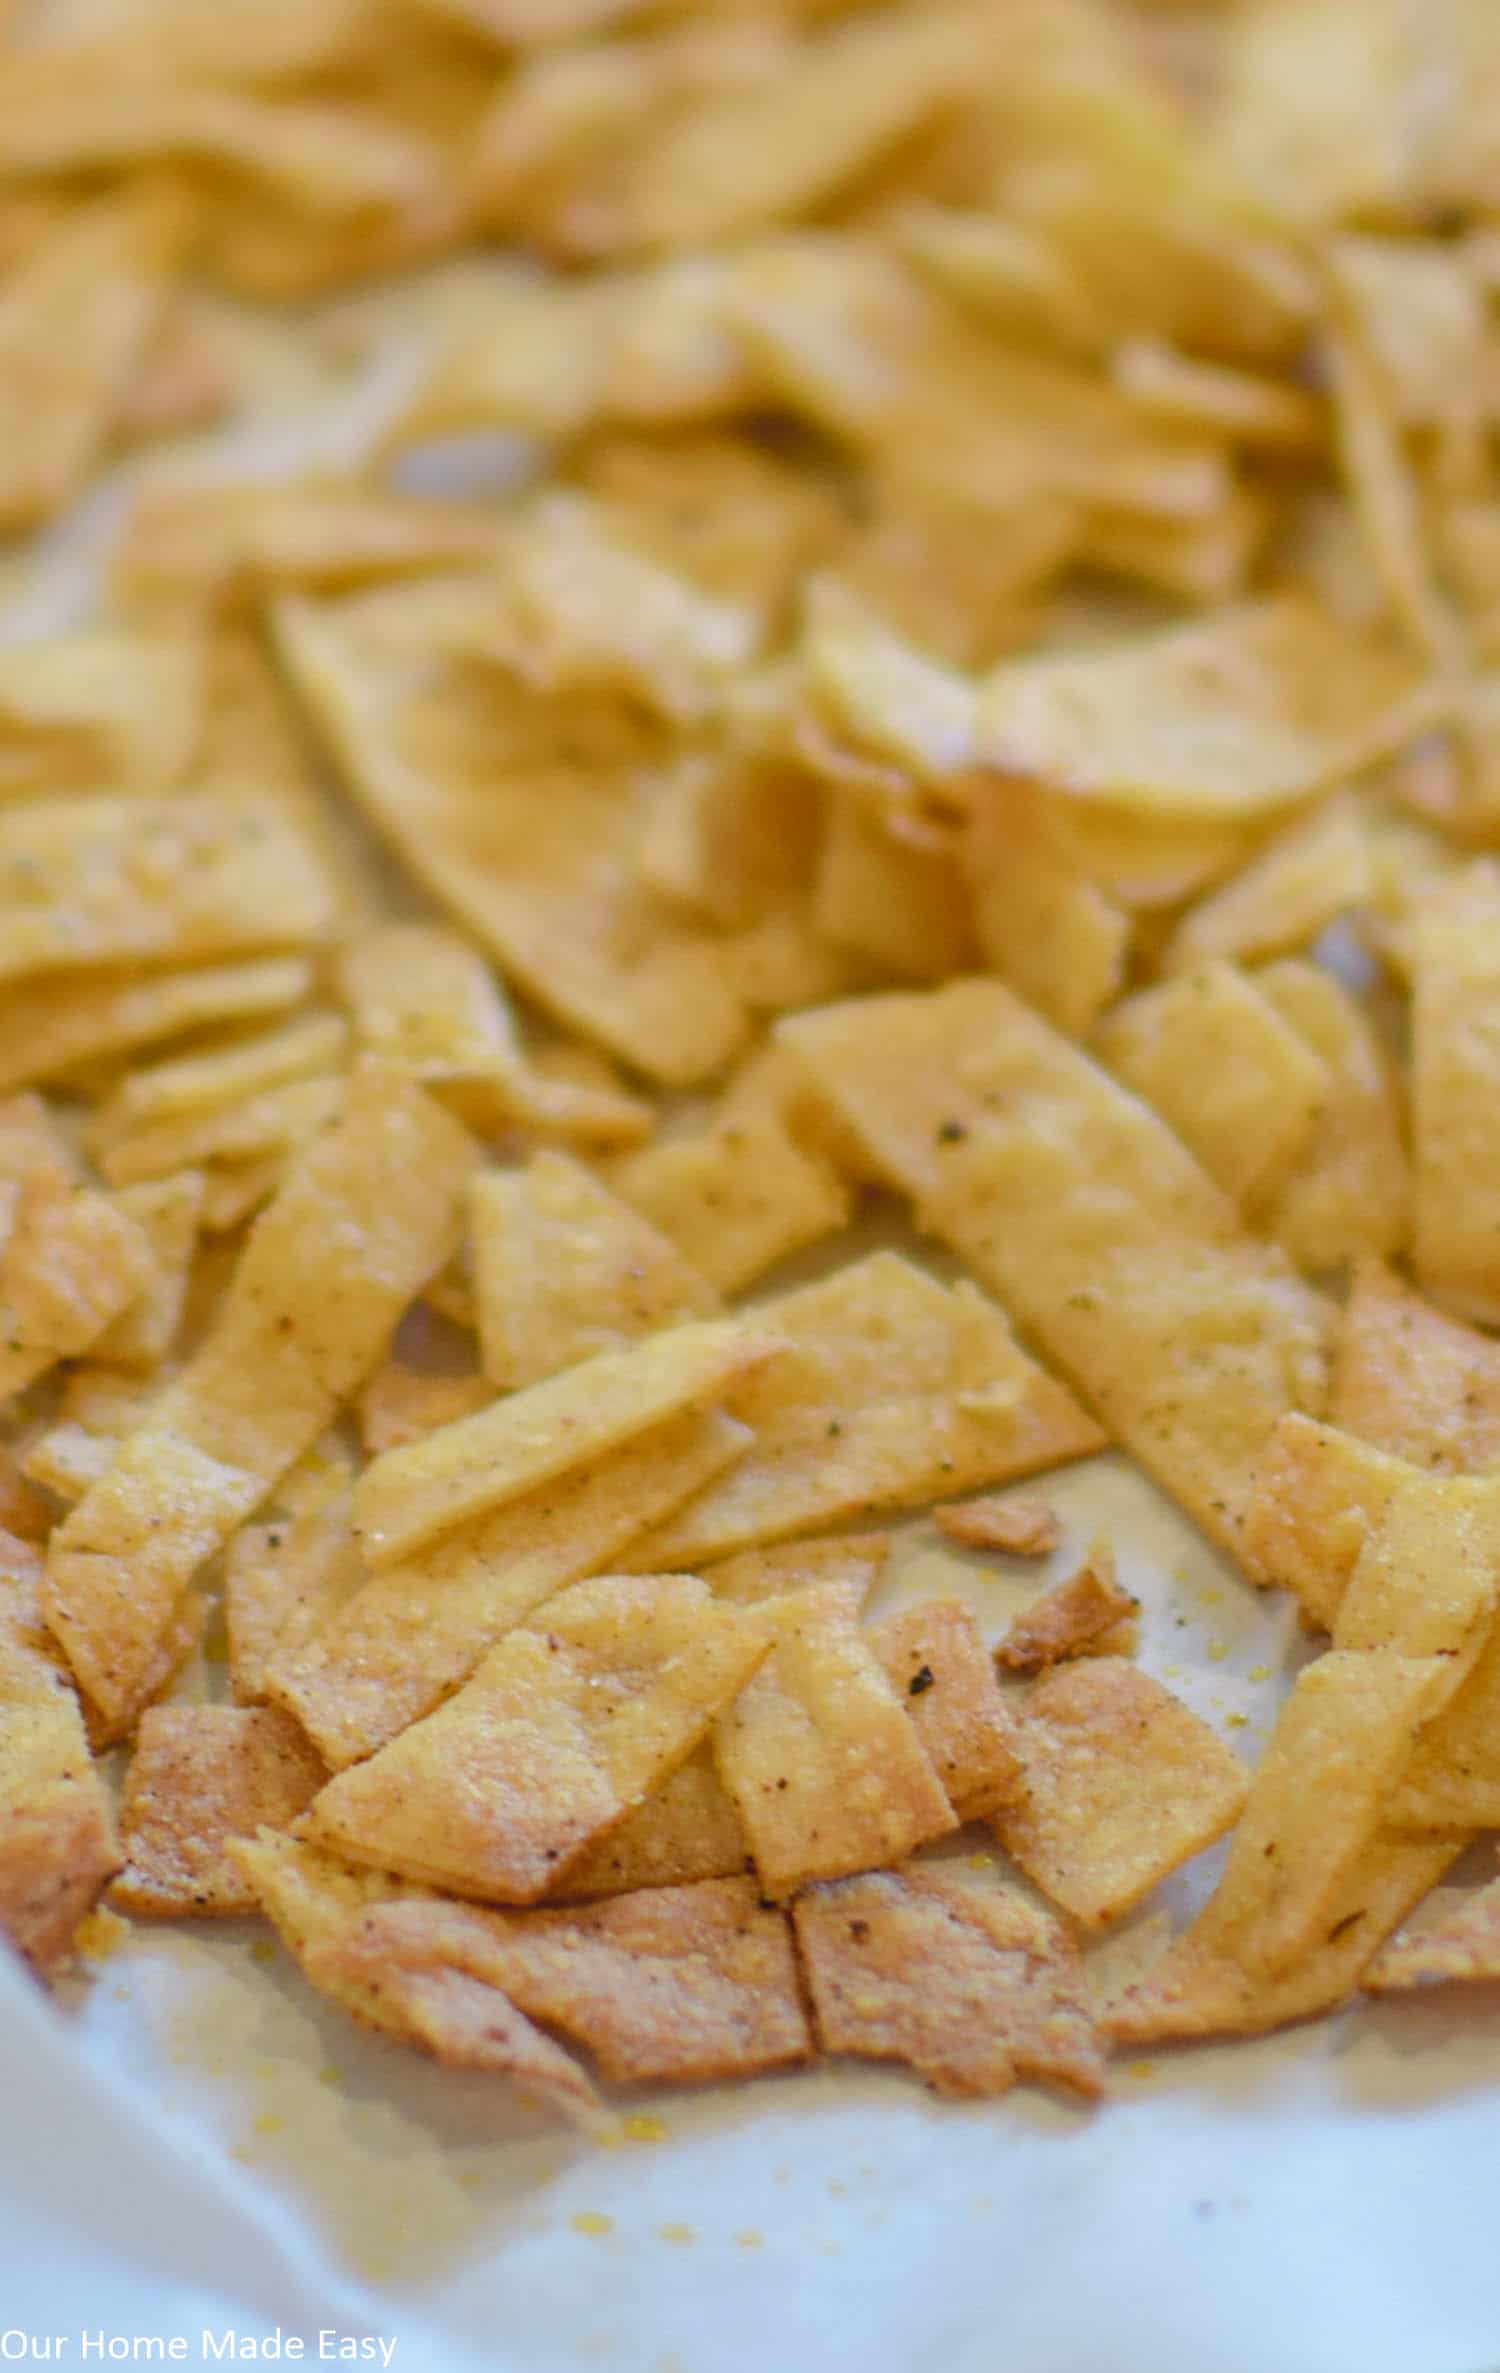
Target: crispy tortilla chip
[(1425, 1581), (313, 1899), (76, 322), (672, 1985), (742, 1194), (1312, 871), (364, 1218), (272, 1122), (1412, 1380), (199, 1776), (824, 1767), (895, 1388), (853, 1563), (1042, 924), (167, 1212), (283, 1581), (1318, 1496), (1073, 1618), (1237, 716), (417, 1630), (401, 1405), (973, 1987), (57, 1841), (901, 909), (234, 1191), (74, 1262), (1189, 1337), (563, 1269), (876, 690), (534, 867), (1462, 1947), (1455, 945), (1019, 1528), (935, 1660), (1119, 1784), (1240, 1086), (92, 882), (409, 1497), (102, 710), (1196, 1992), (97, 1409), (226, 1073), (1350, 1192), (687, 1829), (179, 1644), (48, 1026), (561, 1732)]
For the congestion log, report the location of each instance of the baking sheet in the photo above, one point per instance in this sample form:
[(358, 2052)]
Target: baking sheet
[(192, 2144)]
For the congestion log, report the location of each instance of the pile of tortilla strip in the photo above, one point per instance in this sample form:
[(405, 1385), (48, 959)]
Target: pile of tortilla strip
[(965, 698)]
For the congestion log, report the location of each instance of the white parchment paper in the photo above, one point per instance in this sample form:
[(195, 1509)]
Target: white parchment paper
[(192, 2144)]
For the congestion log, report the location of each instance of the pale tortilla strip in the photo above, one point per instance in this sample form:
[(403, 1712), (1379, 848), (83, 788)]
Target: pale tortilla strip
[(1318, 1496), (895, 1388), (1462, 1947), (1018, 1528), (1074, 1618), (1350, 1192), (58, 1831), (877, 691), (1196, 1992), (1120, 1783), (853, 1563), (973, 1987), (1239, 715), (899, 908), (1412, 1380), (51, 1025), (533, 869), (1187, 1335), (76, 322), (87, 882), (1240, 1086), (74, 1262), (199, 1776), (670, 1985), (818, 1754), (236, 1136), (1312, 871), (189, 1087), (1043, 925), (1454, 937), (98, 1407), (167, 1212), (401, 1405), (102, 709), (409, 1497), (563, 1269), (939, 1666), (415, 1631), (687, 1829), (283, 1581), (365, 1217), (560, 1733)]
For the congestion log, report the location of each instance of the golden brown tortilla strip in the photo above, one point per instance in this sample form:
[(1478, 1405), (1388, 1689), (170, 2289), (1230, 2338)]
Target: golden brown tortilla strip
[(1119, 1784), (1318, 1496), (1196, 1992), (562, 1731), (365, 1217), (409, 1497), (401, 1405), (939, 1667), (167, 1212), (24, 1514), (973, 1987), (74, 1263), (1414, 1381), (312, 1899), (687, 1829), (1019, 1528), (895, 1388), (1350, 1191), (670, 1985), (1461, 1947), (1455, 985), (852, 1563), (89, 882), (415, 1631), (564, 1269), (738, 1197), (179, 1643), (48, 1026), (283, 1581), (1189, 1336), (57, 1838), (1071, 1619), (199, 1776), (540, 868), (818, 1754), (1054, 934)]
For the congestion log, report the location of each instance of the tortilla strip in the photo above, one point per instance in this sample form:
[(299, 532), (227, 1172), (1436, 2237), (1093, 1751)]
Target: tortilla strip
[(364, 1218), (199, 1776), (939, 1666), (49, 1025), (1455, 947), (1085, 1215), (1413, 1381)]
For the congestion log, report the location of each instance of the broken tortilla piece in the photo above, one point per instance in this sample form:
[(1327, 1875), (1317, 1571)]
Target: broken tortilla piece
[(1074, 1618)]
